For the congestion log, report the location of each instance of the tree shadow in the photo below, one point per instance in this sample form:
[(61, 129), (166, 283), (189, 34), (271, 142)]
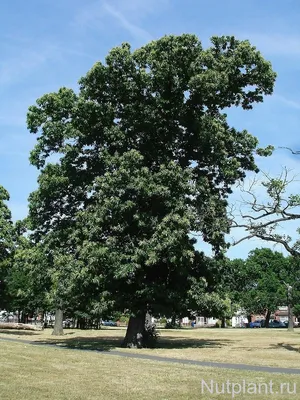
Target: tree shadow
[(169, 342), (84, 343), (19, 332), (103, 343), (286, 346)]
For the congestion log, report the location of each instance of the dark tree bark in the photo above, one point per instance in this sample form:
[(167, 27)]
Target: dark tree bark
[(249, 318), (58, 325), (223, 322), (268, 316), (173, 322), (23, 317), (140, 332), (135, 332)]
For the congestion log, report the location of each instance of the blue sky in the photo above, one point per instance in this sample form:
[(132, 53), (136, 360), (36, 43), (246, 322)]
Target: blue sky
[(46, 44)]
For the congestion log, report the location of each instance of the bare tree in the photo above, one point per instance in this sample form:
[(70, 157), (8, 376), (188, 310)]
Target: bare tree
[(263, 216)]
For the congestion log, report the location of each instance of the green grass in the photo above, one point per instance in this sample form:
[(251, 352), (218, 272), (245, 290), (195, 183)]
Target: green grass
[(39, 372)]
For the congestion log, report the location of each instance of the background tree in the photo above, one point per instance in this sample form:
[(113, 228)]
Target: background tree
[(262, 215), (7, 246), (264, 289), (27, 280), (146, 157)]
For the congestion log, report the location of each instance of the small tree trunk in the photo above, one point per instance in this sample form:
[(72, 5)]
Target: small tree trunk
[(173, 322), (249, 317), (291, 318), (268, 316), (135, 332), (58, 325), (223, 322)]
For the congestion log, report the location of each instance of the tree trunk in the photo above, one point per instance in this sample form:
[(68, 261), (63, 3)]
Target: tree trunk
[(22, 318), (291, 318), (58, 325), (249, 318), (173, 321), (268, 315), (290, 309), (135, 332), (223, 322)]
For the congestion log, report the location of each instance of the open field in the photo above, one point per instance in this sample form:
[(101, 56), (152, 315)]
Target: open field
[(267, 347), (36, 372)]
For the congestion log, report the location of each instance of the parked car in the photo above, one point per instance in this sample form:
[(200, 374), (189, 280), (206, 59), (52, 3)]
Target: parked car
[(273, 324), (255, 324), (109, 323), (286, 324), (276, 324)]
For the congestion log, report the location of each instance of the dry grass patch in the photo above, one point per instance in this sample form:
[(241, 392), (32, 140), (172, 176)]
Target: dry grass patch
[(35, 373), (268, 347)]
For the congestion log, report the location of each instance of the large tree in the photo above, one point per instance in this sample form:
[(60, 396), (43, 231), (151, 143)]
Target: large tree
[(146, 157)]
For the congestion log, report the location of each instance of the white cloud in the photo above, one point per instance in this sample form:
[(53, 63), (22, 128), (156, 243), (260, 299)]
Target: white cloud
[(135, 31), (130, 15)]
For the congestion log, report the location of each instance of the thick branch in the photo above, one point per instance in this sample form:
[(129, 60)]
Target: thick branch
[(264, 216), (268, 238), (291, 150)]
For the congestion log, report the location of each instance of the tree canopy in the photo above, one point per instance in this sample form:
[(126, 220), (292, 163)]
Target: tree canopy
[(146, 156)]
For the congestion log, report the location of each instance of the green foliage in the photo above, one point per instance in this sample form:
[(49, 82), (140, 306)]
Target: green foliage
[(26, 283), (124, 319), (7, 247), (146, 157), (172, 325), (259, 282)]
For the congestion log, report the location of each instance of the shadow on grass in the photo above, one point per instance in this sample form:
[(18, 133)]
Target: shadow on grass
[(286, 346), (169, 342), (84, 343), (103, 343), (19, 332)]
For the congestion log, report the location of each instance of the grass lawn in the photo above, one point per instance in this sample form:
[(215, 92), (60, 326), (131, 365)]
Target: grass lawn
[(268, 347), (36, 372), (33, 372)]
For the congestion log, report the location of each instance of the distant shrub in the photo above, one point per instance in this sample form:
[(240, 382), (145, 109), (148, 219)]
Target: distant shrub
[(124, 319), (171, 325)]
